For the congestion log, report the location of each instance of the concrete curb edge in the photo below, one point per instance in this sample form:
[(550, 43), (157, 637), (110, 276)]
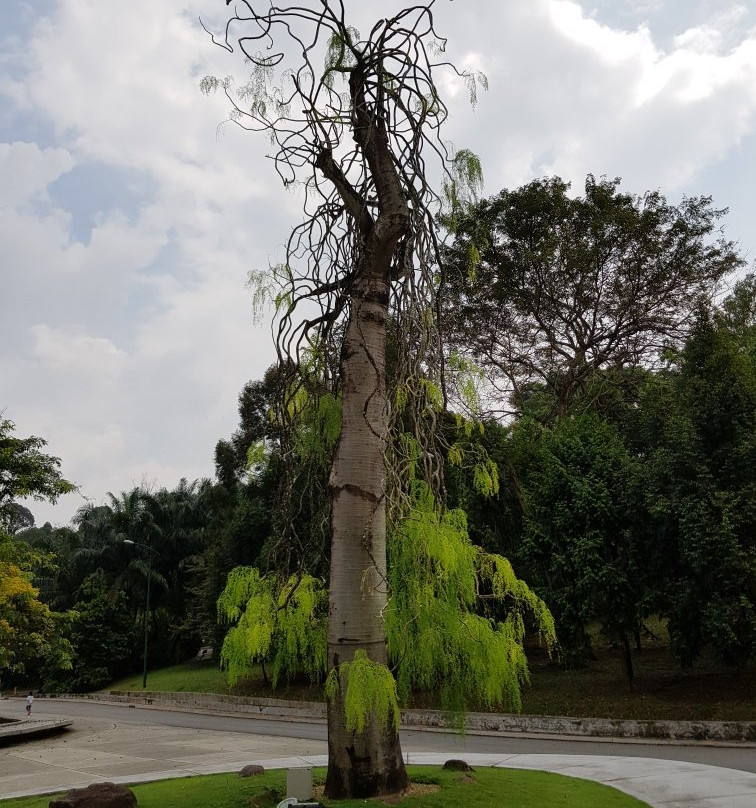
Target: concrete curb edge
[(686, 731)]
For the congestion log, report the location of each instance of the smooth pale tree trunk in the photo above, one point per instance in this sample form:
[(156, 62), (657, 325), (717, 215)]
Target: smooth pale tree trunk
[(368, 763)]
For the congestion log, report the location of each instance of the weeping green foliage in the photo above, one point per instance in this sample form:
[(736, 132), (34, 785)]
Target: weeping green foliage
[(441, 635), (257, 457), (461, 187), (370, 692), (486, 477), (285, 624), (440, 583), (319, 424), (339, 57), (467, 378)]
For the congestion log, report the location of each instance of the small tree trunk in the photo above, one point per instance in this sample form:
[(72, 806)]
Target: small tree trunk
[(627, 660)]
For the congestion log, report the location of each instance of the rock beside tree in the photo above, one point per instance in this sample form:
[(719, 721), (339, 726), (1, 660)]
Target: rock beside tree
[(97, 795)]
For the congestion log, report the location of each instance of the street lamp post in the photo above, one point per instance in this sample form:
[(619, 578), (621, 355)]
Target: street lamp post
[(147, 601)]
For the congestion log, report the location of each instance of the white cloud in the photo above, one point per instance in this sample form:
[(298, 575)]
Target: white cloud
[(73, 351), (573, 95), (27, 172), (128, 349)]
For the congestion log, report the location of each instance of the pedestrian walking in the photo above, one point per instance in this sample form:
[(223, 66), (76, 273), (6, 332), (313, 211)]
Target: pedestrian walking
[(29, 702)]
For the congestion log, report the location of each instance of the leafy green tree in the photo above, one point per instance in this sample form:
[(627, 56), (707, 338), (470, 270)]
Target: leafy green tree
[(29, 631), (103, 635), (25, 471), (161, 535), (697, 424), (284, 625), (738, 315), (257, 424), (59, 581), (104, 531), (457, 614), (577, 541), (18, 518), (545, 289), (356, 134)]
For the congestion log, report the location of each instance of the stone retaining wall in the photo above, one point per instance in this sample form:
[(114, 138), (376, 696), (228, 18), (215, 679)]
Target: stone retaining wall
[(723, 731)]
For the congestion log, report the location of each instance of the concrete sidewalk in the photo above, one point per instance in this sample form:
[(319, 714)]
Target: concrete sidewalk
[(18, 730), (95, 750)]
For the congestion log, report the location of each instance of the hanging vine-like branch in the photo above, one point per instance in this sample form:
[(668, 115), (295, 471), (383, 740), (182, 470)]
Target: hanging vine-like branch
[(351, 102)]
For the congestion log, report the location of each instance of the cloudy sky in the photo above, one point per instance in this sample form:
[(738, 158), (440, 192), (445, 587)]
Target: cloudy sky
[(128, 222)]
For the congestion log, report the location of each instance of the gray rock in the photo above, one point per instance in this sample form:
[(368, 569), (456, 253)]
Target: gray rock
[(252, 770), (98, 795), (454, 765)]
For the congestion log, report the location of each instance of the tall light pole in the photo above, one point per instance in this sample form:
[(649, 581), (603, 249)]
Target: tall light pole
[(151, 552)]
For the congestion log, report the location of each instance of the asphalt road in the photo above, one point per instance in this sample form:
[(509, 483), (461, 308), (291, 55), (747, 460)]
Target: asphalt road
[(734, 757)]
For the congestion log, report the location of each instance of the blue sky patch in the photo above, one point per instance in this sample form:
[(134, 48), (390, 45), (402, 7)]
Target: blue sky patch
[(92, 190)]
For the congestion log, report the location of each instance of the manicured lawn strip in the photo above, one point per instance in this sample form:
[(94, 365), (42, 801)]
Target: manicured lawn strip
[(189, 677), (205, 677), (707, 692), (483, 788)]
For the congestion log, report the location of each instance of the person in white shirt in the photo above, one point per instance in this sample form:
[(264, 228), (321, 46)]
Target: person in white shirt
[(29, 702)]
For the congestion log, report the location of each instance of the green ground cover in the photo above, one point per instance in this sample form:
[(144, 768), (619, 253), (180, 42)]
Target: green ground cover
[(662, 690), (189, 677), (483, 788)]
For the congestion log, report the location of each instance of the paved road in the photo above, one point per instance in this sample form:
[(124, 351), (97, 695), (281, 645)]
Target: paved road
[(133, 744), (734, 757)]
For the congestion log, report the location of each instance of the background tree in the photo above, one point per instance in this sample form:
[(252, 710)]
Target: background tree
[(696, 424), (738, 314), (29, 631), (25, 471), (355, 135), (546, 289), (103, 634), (58, 582), (257, 425), (577, 540)]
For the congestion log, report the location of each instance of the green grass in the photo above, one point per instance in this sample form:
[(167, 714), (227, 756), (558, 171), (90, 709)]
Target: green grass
[(483, 788), (662, 691), (190, 677), (708, 692), (205, 677)]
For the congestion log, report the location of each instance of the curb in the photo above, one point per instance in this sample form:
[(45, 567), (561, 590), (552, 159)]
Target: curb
[(11, 731), (736, 732)]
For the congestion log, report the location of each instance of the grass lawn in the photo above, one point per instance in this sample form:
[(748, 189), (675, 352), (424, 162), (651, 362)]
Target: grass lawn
[(707, 692), (189, 677), (205, 677), (483, 788)]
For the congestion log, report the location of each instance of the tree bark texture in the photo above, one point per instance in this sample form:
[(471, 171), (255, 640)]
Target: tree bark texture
[(368, 763)]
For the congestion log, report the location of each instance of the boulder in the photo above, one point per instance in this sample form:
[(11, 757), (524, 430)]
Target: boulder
[(98, 795), (454, 765), (252, 770)]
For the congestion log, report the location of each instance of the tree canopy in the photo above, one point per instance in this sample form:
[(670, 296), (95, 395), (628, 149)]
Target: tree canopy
[(546, 288), (26, 471)]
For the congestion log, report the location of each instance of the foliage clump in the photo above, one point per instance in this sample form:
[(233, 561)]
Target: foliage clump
[(285, 625), (371, 692), (456, 623), (442, 630)]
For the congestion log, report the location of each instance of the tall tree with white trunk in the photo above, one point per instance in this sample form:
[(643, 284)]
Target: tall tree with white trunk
[(354, 121)]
